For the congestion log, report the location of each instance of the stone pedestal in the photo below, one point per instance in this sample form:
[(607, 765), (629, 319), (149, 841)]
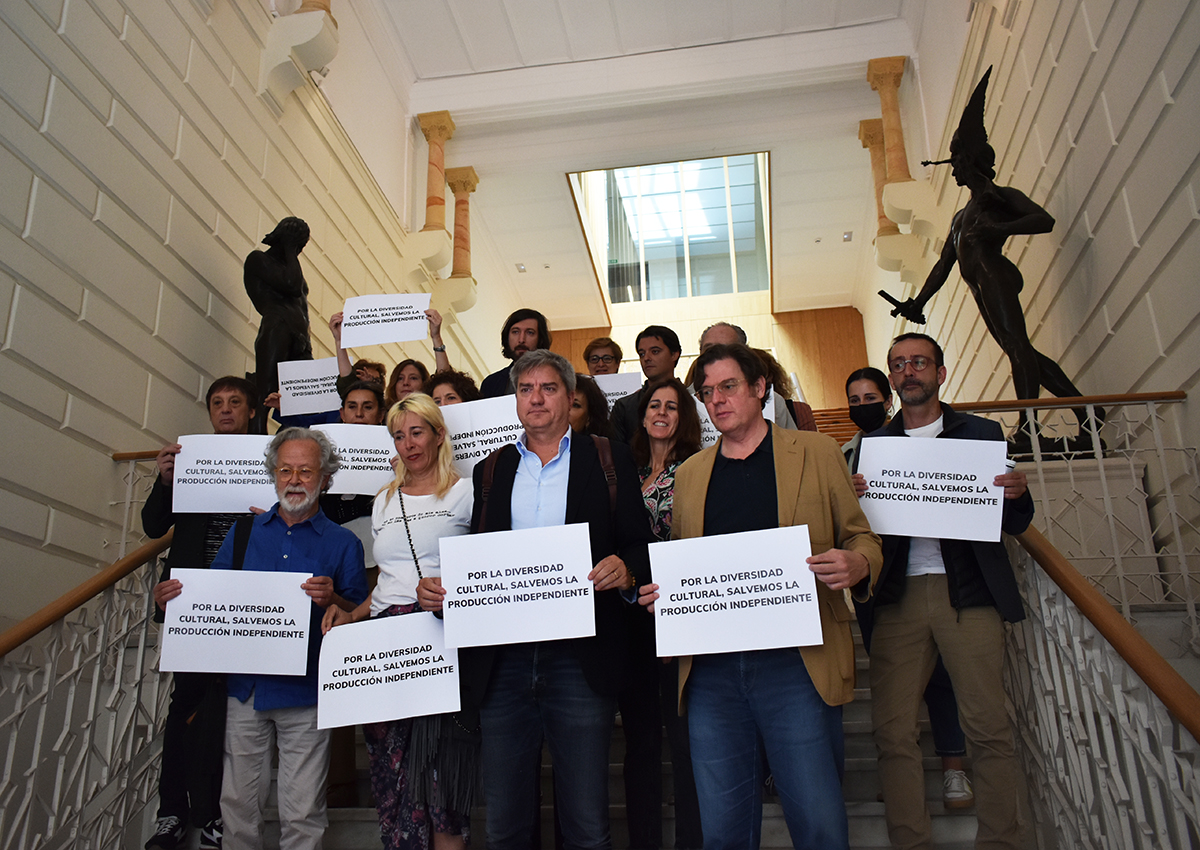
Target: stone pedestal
[(296, 44)]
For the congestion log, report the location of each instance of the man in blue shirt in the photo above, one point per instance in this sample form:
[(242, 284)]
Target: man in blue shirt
[(293, 536)]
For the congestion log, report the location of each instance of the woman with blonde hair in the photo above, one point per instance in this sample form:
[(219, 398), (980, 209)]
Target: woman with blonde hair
[(423, 770)]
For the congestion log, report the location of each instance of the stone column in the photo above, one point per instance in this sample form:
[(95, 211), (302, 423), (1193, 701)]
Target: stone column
[(438, 127), (462, 183), (317, 6), (884, 75), (870, 133)]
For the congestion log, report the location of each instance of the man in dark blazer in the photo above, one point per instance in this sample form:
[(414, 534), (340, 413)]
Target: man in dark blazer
[(947, 596), (564, 690)]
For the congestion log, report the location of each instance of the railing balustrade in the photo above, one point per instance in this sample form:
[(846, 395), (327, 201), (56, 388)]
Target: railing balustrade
[(1107, 764), (1123, 504), (82, 707)]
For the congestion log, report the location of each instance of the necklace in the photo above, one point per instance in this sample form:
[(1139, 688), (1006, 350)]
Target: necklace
[(408, 531)]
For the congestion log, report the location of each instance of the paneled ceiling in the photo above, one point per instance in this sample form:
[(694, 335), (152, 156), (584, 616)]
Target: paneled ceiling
[(540, 88)]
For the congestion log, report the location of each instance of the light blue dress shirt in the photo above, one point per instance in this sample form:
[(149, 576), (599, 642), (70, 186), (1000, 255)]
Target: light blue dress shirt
[(539, 494)]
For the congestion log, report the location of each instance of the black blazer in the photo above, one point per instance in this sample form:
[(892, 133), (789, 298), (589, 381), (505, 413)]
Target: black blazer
[(624, 531), (978, 573)]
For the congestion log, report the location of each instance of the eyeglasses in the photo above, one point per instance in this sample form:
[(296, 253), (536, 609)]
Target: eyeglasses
[(727, 388), (305, 473), (919, 364), (596, 359)]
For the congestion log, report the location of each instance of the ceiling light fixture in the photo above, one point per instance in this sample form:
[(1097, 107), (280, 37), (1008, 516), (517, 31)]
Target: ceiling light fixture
[(848, 235), (521, 268)]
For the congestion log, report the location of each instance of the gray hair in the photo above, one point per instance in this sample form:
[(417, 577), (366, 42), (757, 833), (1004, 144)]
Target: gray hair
[(742, 338), (543, 357), (330, 462)]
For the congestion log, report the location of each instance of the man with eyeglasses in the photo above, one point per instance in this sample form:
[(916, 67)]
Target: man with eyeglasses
[(293, 536), (784, 702), (947, 596), (602, 356)]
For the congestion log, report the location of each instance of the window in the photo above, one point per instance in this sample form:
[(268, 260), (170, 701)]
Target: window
[(679, 229)]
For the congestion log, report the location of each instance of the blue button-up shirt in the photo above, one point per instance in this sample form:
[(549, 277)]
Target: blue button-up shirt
[(317, 546), (539, 494)]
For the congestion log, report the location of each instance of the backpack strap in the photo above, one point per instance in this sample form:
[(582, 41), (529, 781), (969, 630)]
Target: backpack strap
[(489, 473), (241, 539), (604, 448)]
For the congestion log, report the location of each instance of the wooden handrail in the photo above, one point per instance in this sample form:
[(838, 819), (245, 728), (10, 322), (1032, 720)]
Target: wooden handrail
[(1047, 403), (1176, 694), (1077, 401), (148, 455), (72, 599)]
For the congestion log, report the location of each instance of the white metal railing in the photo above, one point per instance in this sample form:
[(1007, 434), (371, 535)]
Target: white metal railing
[(1124, 504), (1107, 764), (82, 707)]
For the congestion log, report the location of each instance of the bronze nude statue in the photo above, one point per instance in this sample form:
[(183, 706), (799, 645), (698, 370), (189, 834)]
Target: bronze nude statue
[(976, 240), (275, 283)]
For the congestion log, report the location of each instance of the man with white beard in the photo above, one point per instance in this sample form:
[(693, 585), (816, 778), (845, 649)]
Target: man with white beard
[(293, 536)]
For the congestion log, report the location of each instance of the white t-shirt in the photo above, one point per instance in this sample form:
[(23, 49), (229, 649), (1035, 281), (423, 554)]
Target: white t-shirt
[(925, 553), (429, 519)]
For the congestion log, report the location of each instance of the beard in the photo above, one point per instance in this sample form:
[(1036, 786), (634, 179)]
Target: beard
[(296, 508), (916, 392)]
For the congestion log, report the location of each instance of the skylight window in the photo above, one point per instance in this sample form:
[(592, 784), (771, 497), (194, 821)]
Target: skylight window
[(679, 229)]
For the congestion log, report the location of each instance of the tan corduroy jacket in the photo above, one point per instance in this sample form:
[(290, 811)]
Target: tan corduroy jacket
[(814, 489)]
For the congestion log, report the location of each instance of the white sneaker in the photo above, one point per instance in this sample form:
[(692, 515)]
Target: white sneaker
[(956, 790)]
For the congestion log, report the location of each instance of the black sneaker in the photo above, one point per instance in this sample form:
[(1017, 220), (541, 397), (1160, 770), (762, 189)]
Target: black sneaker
[(168, 834), (210, 836)]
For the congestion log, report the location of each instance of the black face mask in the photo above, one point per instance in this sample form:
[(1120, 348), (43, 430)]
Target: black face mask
[(869, 417)]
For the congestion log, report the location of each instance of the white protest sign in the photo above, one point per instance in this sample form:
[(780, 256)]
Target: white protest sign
[(222, 474), (618, 385), (386, 669), (366, 452), (735, 592), (933, 488), (476, 428), (376, 319), (308, 386), (708, 431), (518, 586), (237, 621)]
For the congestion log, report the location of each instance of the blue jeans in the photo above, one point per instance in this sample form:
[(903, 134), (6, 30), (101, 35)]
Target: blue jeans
[(742, 703), (538, 690)]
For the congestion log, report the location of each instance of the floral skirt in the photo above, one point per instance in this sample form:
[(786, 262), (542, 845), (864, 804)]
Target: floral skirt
[(424, 774)]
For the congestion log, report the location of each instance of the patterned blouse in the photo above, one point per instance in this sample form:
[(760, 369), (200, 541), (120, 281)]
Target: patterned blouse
[(659, 499)]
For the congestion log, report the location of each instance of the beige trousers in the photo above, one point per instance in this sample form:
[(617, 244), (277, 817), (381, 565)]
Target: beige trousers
[(904, 646), (303, 765)]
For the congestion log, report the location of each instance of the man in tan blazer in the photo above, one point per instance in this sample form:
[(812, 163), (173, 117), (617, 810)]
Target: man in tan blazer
[(781, 701)]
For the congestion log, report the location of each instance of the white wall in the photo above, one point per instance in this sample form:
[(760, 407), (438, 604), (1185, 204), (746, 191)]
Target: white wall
[(140, 168)]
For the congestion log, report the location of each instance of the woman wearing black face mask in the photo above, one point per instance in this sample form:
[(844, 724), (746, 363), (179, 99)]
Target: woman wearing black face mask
[(870, 397)]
